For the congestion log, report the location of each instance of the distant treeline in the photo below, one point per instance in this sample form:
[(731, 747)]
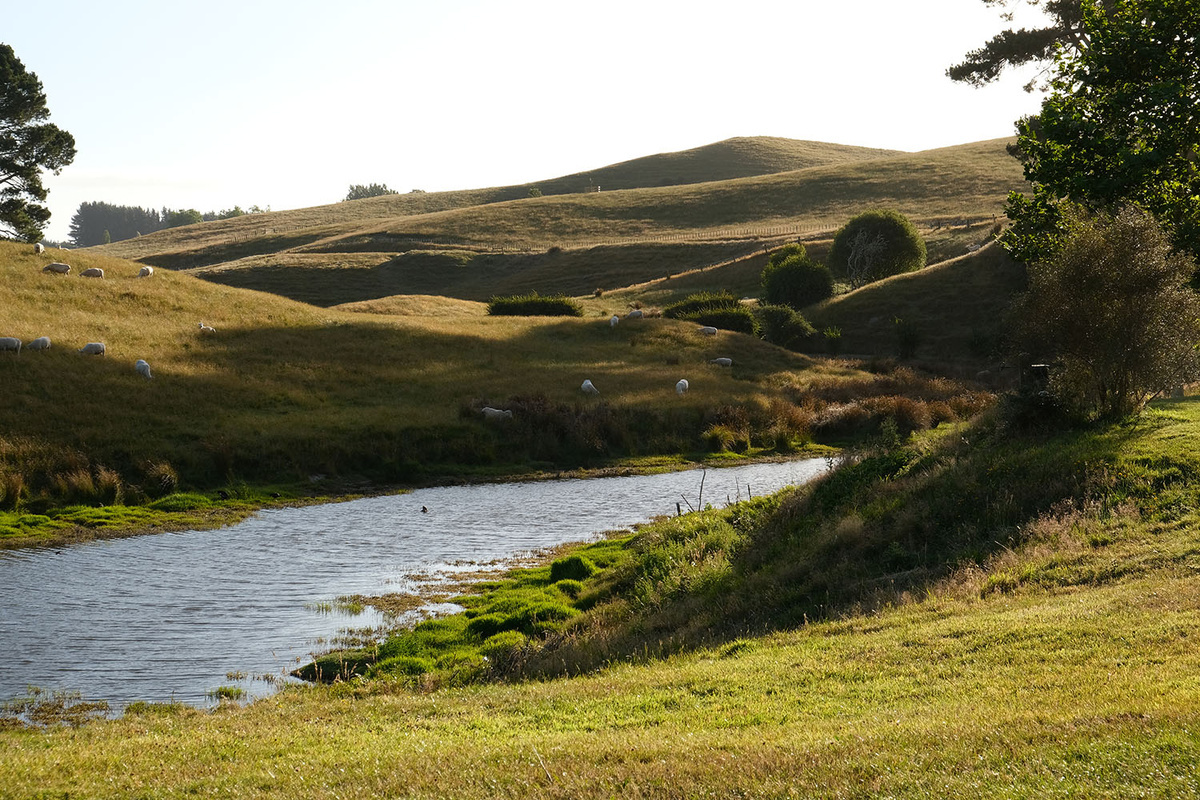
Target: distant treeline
[(101, 223)]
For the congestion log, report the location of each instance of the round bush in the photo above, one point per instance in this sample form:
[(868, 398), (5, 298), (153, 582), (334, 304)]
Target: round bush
[(489, 625), (739, 320), (575, 568), (875, 245), (569, 587), (701, 302), (783, 326), (796, 281)]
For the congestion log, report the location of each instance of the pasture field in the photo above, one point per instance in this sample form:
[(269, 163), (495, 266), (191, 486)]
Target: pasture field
[(1058, 660)]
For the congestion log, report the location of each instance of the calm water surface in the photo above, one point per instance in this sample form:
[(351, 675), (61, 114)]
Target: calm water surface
[(172, 616)]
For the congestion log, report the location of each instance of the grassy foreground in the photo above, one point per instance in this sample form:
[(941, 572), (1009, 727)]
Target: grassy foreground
[(1058, 660)]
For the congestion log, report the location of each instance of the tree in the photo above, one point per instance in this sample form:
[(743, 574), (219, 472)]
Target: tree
[(1113, 310), (28, 144), (1121, 126), (875, 245), (184, 216), (793, 279), (1013, 48), (360, 191), (93, 220)]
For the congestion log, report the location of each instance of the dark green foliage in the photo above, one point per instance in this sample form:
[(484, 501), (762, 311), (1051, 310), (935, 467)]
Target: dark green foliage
[(28, 145), (793, 279), (184, 216), (784, 326), (1013, 48), (875, 245), (92, 220), (534, 305), (359, 191), (341, 665), (739, 319), (573, 567), (1118, 127), (908, 337), (1113, 310), (701, 302), (570, 588)]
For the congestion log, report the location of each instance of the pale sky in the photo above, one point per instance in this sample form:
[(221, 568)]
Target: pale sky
[(286, 104)]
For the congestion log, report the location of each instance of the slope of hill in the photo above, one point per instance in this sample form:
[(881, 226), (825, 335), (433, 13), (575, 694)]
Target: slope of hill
[(577, 243)]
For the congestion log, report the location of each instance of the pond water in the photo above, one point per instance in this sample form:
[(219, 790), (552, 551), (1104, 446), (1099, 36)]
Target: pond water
[(175, 616)]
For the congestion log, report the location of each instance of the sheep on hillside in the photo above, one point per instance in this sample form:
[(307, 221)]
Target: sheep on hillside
[(93, 349), (145, 272), (39, 248), (588, 388), (57, 268), (92, 272), (682, 386), (722, 362), (10, 343), (635, 314), (708, 330), (496, 414), (142, 368), (40, 343), (207, 328), (613, 320)]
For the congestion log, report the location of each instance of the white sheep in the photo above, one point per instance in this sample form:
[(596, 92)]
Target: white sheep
[(40, 343), (10, 343), (142, 368), (613, 320), (496, 414), (708, 330), (39, 248), (93, 349), (207, 328), (588, 388), (92, 272), (682, 386), (722, 362), (57, 268), (635, 314), (145, 272)]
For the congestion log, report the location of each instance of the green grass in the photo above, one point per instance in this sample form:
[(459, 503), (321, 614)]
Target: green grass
[(1078, 679)]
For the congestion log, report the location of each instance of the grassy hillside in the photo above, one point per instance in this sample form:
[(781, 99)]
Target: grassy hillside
[(287, 393), (1037, 641), (576, 243)]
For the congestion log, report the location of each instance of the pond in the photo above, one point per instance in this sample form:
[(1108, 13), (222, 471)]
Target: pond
[(176, 616)]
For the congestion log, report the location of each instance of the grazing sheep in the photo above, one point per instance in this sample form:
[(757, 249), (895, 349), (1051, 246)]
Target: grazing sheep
[(722, 362), (682, 386), (613, 320), (588, 388), (145, 272), (708, 330), (92, 272), (39, 248), (142, 368), (495, 413), (635, 314), (57, 268), (10, 343), (40, 343), (93, 349), (207, 328)]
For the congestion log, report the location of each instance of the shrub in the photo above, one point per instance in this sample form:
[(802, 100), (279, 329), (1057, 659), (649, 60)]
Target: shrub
[(783, 326), (876, 244), (701, 302), (570, 588), (502, 648), (488, 625), (833, 340), (574, 568), (796, 281), (534, 305), (739, 319)]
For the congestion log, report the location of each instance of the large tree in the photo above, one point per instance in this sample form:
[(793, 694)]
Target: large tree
[(28, 145), (1120, 126), (1016, 47)]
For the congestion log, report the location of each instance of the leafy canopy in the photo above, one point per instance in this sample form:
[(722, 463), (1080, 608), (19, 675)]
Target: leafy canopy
[(1113, 310), (1014, 48), (1120, 126), (792, 278), (360, 191), (876, 244), (28, 144)]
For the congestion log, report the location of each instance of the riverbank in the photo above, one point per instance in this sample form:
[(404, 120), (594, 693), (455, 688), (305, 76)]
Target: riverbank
[(1056, 660)]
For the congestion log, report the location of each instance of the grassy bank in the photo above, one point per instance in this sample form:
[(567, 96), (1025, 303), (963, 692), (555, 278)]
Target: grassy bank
[(1037, 641)]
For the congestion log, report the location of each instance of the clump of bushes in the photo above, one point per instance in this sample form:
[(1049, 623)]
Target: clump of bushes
[(793, 279), (701, 302), (534, 305), (875, 245), (784, 326), (572, 567)]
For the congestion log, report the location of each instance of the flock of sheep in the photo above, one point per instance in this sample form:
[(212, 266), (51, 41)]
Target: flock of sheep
[(589, 388), (13, 344)]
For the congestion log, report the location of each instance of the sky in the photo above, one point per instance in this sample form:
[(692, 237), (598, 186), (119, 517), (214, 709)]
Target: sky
[(287, 104)]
